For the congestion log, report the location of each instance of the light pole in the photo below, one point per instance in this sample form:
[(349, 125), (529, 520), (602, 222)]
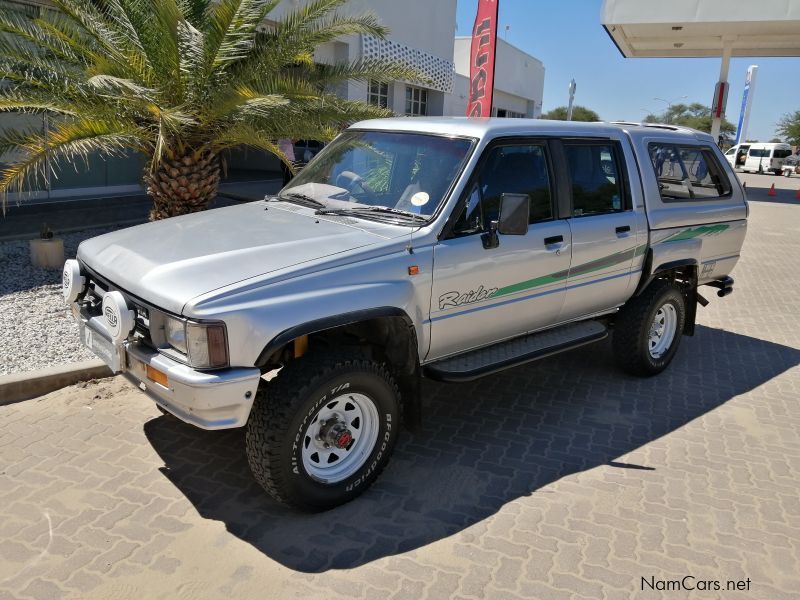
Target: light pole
[(669, 103), (572, 87)]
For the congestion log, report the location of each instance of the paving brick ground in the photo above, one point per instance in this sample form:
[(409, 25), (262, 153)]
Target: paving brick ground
[(562, 479)]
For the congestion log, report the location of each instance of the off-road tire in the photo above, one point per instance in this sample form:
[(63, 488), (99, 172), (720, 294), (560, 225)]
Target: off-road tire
[(283, 408), (632, 327)]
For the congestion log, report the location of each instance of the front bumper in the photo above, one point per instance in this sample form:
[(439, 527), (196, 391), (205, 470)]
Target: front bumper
[(219, 399)]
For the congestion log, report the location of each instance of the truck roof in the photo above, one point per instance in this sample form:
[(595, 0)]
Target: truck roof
[(495, 127)]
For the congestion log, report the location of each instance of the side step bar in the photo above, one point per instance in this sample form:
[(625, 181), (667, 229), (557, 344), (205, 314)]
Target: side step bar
[(511, 353)]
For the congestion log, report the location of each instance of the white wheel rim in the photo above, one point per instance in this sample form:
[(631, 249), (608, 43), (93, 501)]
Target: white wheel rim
[(352, 414), (662, 330)]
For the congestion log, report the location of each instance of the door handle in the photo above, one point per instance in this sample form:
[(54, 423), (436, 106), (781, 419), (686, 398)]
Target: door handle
[(624, 229), (556, 239)]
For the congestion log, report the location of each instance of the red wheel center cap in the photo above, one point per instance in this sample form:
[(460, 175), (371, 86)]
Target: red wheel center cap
[(343, 439)]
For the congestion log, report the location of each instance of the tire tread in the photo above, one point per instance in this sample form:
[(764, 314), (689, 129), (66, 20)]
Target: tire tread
[(628, 329), (278, 401)]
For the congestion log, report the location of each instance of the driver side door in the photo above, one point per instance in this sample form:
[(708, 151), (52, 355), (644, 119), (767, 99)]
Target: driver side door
[(485, 295)]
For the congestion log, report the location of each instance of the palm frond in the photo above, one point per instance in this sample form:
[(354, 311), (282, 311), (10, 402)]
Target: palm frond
[(69, 141)]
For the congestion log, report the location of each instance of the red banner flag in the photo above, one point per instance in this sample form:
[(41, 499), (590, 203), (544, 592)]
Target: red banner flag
[(482, 54)]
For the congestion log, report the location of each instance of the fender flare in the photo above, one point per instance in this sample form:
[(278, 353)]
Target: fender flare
[(326, 323), (649, 273)]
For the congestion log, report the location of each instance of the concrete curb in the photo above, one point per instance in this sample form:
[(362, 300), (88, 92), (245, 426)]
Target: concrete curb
[(24, 386)]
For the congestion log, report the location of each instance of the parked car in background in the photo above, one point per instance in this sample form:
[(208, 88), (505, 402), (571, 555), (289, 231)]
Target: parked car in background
[(305, 150), (758, 157), (737, 154), (791, 165)]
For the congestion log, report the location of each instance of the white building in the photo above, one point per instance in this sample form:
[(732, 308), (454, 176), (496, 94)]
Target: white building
[(518, 81), (421, 34)]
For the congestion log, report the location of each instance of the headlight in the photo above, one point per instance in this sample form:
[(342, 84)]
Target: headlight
[(176, 334), (205, 344)]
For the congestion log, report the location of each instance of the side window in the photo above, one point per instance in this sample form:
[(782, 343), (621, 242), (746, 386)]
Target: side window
[(688, 173), (596, 182), (518, 169)]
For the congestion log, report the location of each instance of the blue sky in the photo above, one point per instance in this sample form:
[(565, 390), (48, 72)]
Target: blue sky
[(568, 38)]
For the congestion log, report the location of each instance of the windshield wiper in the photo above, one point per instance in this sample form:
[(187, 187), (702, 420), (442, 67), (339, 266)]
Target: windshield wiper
[(301, 199), (371, 209)]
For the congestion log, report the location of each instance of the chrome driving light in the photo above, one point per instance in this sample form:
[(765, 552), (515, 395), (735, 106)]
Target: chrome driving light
[(207, 345)]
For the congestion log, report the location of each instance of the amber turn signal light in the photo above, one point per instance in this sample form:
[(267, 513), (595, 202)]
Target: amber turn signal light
[(413, 270), (157, 376)]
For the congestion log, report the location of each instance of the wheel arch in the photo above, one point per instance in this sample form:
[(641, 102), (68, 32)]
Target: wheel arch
[(386, 331), (683, 271)]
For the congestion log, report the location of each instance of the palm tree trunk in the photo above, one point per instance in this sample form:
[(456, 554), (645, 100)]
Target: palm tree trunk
[(182, 185)]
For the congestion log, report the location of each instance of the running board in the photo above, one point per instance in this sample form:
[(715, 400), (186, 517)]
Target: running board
[(504, 355)]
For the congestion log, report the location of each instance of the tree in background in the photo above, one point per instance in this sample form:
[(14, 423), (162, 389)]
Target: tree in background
[(579, 113), (177, 80), (694, 115), (788, 127)]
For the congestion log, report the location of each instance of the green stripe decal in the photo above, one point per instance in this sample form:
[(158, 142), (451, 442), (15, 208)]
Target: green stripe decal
[(590, 267), (688, 234)]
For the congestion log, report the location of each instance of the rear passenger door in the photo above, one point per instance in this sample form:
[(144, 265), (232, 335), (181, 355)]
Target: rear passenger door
[(606, 233)]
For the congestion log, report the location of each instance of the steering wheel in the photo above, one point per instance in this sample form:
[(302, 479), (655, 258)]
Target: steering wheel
[(349, 181)]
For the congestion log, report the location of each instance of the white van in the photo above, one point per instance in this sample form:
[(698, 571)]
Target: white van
[(759, 158)]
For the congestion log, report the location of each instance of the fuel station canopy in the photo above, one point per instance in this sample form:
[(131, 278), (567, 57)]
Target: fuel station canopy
[(697, 28)]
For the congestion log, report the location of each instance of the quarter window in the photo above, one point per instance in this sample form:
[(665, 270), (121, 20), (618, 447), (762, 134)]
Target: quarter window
[(688, 172), (596, 182), (519, 169)]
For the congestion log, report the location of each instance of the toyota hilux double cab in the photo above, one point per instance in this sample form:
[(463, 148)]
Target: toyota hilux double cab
[(446, 248)]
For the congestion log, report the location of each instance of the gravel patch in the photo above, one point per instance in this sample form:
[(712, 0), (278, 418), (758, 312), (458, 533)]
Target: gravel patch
[(36, 329)]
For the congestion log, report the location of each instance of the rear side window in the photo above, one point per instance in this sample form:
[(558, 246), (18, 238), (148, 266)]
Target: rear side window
[(781, 153), (688, 172), (596, 179)]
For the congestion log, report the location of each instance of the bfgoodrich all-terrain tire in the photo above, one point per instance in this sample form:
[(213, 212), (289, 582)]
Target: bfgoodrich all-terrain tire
[(321, 432), (648, 329)]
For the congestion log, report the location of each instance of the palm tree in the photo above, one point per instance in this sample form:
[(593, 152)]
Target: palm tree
[(179, 81)]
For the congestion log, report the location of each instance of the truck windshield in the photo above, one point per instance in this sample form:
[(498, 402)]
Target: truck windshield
[(408, 172)]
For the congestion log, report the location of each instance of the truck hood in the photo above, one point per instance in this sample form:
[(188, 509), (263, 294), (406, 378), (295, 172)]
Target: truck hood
[(169, 262)]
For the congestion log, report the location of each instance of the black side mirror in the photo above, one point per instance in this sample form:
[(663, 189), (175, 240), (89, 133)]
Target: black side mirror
[(514, 214)]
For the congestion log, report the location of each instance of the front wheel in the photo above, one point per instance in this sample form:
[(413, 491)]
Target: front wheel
[(322, 431), (648, 329)]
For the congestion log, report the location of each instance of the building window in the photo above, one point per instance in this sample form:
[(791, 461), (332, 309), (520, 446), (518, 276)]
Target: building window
[(416, 101), (510, 114), (378, 93)]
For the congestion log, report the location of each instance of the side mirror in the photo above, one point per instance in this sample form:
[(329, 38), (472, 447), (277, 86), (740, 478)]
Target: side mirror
[(513, 220), (514, 214)]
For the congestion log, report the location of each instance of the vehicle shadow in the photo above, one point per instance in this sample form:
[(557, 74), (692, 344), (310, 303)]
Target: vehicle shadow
[(482, 445)]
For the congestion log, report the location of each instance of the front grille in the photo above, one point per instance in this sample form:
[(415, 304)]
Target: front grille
[(92, 302)]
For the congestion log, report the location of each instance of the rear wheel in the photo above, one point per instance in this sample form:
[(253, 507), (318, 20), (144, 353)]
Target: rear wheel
[(322, 431), (648, 329)]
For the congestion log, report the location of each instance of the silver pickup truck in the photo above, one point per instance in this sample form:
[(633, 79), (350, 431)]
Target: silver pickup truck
[(444, 248)]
